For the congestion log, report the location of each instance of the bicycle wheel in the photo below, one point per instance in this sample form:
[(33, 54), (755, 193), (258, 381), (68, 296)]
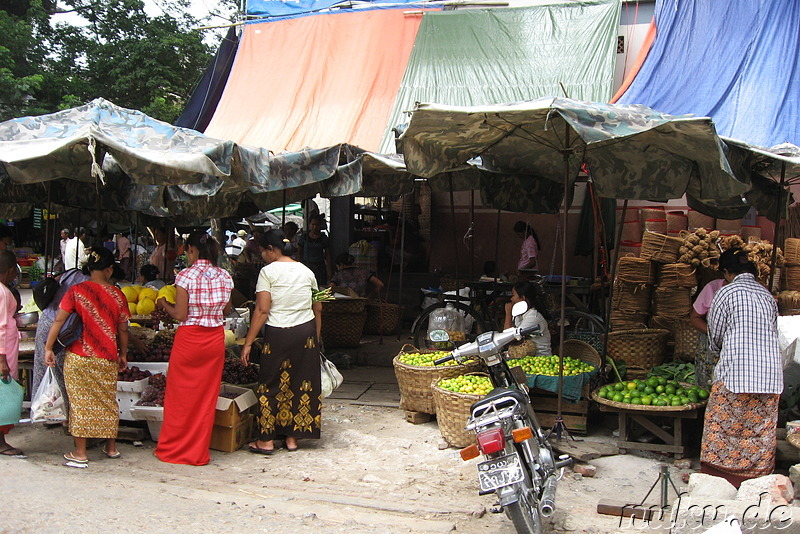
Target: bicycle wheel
[(579, 325), (420, 328)]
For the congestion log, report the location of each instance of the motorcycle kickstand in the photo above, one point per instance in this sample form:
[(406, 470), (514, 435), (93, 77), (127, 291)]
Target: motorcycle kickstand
[(496, 508)]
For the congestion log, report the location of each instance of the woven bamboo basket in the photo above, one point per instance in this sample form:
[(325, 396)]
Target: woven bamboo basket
[(382, 318), (580, 350), (414, 381), (791, 250), (677, 221), (677, 275), (792, 277), (653, 212), (672, 301), (644, 347), (751, 232), (660, 248), (633, 372), (655, 225), (526, 347), (685, 335), (729, 226), (621, 320), (649, 408), (633, 298), (452, 412), (631, 215), (630, 248), (698, 220), (343, 322), (631, 231), (636, 270), (789, 302)]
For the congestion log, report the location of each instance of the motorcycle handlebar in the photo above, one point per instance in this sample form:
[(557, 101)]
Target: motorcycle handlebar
[(440, 361)]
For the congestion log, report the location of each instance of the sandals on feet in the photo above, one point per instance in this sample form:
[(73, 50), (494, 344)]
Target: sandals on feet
[(113, 456), (255, 449), (13, 452), (75, 462), (290, 449)]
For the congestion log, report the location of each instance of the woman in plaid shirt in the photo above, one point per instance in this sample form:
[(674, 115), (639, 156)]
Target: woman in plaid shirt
[(198, 354), (739, 437)]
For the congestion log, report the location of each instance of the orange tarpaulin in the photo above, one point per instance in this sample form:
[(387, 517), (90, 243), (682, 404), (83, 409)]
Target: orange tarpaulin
[(316, 81)]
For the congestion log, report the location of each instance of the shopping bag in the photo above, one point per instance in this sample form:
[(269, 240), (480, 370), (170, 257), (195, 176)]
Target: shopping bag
[(331, 377), (11, 394), (47, 404)]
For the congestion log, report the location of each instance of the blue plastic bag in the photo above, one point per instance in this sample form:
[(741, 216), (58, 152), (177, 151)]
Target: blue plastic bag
[(11, 394)]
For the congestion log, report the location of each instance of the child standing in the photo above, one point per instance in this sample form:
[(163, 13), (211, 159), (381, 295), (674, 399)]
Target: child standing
[(9, 337)]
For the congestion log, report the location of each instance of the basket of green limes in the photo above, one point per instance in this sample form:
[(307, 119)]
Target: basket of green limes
[(652, 394), (415, 370), (454, 398)]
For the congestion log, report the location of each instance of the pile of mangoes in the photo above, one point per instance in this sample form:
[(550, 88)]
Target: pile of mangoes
[(142, 300)]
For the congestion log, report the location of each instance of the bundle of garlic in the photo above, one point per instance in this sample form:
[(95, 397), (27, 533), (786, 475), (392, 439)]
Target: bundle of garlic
[(758, 252), (700, 248)]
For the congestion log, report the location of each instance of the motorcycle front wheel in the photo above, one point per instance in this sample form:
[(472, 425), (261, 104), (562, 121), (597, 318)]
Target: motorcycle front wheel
[(525, 515)]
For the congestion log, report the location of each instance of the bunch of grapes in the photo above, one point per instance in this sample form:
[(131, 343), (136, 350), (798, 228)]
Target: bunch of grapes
[(163, 317), (132, 374), (235, 372), (153, 394), (161, 346), (135, 355), (229, 394)]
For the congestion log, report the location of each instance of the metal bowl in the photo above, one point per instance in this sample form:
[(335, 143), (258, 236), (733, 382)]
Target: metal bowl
[(27, 319)]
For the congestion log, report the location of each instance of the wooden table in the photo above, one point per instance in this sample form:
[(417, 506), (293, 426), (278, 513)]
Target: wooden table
[(633, 423)]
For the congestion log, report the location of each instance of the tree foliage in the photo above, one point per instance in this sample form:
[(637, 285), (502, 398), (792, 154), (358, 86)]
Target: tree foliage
[(121, 53)]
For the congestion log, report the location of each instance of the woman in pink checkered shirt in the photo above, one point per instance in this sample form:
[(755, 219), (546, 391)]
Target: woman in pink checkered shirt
[(198, 354)]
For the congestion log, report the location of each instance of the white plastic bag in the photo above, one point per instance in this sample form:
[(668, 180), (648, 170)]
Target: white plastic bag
[(331, 377), (47, 405)]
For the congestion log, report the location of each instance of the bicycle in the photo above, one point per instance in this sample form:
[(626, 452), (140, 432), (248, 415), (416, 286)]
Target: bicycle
[(484, 309)]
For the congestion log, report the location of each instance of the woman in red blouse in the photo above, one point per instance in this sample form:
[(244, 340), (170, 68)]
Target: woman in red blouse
[(198, 354), (92, 361)]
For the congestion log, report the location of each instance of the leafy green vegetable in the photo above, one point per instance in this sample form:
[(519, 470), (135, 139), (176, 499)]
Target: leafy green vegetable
[(321, 295), (680, 371)]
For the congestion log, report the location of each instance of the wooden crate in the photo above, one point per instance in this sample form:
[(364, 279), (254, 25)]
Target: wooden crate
[(545, 404)]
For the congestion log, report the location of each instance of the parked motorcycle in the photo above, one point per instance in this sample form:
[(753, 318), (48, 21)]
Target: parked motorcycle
[(518, 462)]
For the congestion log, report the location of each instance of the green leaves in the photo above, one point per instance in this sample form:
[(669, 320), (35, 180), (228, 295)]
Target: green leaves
[(119, 52), (679, 371)]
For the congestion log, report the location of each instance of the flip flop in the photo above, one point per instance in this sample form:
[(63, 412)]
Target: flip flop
[(76, 465), (290, 449), (69, 458), (259, 450), (13, 452), (112, 456)]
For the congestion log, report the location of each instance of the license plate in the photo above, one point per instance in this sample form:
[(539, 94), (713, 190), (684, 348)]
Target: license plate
[(499, 472)]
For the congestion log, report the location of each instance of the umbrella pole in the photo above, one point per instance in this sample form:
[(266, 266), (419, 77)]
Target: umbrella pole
[(455, 234), (472, 223), (48, 245), (559, 427), (497, 247), (402, 257), (283, 213), (777, 227), (607, 317)]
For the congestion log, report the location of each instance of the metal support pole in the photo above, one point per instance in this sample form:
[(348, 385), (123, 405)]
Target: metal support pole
[(778, 211), (455, 234)]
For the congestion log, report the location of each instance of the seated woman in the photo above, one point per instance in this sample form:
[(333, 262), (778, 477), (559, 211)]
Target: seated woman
[(538, 345), (362, 281), (147, 277)]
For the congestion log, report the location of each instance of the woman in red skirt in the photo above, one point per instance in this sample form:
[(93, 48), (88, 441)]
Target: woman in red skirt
[(198, 354)]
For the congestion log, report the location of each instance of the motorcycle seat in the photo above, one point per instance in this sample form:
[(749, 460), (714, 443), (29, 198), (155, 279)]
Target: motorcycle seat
[(501, 392)]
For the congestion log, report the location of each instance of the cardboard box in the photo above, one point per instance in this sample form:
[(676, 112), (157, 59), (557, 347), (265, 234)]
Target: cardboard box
[(231, 439), (231, 412)]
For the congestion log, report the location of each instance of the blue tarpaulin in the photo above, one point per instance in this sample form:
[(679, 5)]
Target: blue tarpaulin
[(284, 8), (734, 61)]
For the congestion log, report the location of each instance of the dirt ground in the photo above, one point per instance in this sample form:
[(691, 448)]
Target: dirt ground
[(371, 471)]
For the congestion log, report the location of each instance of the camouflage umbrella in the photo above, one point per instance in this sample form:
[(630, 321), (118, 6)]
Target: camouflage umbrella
[(633, 152)]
